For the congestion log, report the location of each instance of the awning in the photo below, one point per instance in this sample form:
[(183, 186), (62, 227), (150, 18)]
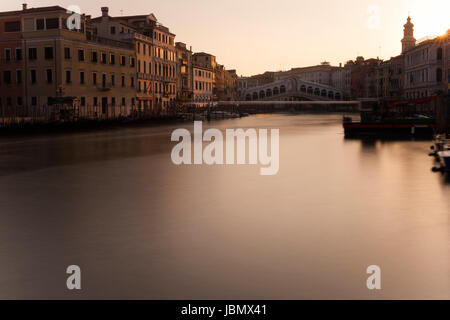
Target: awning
[(417, 101)]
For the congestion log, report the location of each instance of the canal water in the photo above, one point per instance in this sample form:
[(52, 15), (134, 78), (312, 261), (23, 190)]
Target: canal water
[(113, 203)]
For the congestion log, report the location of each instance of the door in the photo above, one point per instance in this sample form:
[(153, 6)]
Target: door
[(104, 106)]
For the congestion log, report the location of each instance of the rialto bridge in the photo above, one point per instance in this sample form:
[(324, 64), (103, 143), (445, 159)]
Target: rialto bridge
[(292, 89)]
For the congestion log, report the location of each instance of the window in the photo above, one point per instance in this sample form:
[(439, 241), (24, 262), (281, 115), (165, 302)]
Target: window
[(439, 54), (113, 101), (33, 101), (18, 76), (19, 101), (66, 53), (132, 62), (81, 77), (122, 60), (48, 53), (123, 102), (439, 75), (18, 54), (95, 101), (52, 23), (49, 75), (103, 58), (8, 54), (40, 24), (94, 57), (32, 53), (80, 54), (132, 81), (112, 59), (68, 76), (7, 76), (33, 76), (8, 101), (113, 30), (12, 26), (94, 78), (113, 80), (123, 81), (83, 101), (104, 80)]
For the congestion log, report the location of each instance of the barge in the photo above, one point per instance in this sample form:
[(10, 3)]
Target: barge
[(401, 119)]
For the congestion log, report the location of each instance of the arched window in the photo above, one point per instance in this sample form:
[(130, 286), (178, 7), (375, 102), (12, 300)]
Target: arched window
[(439, 54), (439, 75)]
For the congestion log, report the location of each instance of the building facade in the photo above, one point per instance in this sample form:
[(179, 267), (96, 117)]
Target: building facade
[(424, 75), (203, 86), (71, 65), (185, 73), (156, 57), (12, 66)]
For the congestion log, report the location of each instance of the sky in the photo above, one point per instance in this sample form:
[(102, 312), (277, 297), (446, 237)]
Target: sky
[(254, 36)]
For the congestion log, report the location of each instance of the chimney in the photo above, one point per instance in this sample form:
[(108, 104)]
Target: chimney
[(24, 6), (340, 65), (105, 11)]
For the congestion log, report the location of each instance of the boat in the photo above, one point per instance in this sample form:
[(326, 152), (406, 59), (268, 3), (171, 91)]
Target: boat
[(444, 157), (417, 127), (440, 141), (396, 120)]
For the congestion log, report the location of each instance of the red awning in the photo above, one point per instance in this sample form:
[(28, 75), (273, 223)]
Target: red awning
[(418, 101)]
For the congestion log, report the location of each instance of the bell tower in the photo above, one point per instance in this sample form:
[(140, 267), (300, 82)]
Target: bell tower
[(408, 40)]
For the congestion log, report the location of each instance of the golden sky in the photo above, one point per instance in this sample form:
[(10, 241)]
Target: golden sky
[(254, 36)]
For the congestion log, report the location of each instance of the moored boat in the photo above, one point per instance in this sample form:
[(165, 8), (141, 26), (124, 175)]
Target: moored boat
[(444, 157), (402, 119)]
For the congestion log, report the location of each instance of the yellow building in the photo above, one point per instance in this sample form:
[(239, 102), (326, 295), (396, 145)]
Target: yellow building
[(62, 61), (203, 85), (156, 59)]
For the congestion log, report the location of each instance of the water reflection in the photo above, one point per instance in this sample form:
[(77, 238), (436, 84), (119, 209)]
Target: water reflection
[(140, 227)]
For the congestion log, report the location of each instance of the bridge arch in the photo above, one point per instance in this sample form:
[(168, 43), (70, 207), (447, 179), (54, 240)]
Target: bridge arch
[(276, 91), (262, 94)]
